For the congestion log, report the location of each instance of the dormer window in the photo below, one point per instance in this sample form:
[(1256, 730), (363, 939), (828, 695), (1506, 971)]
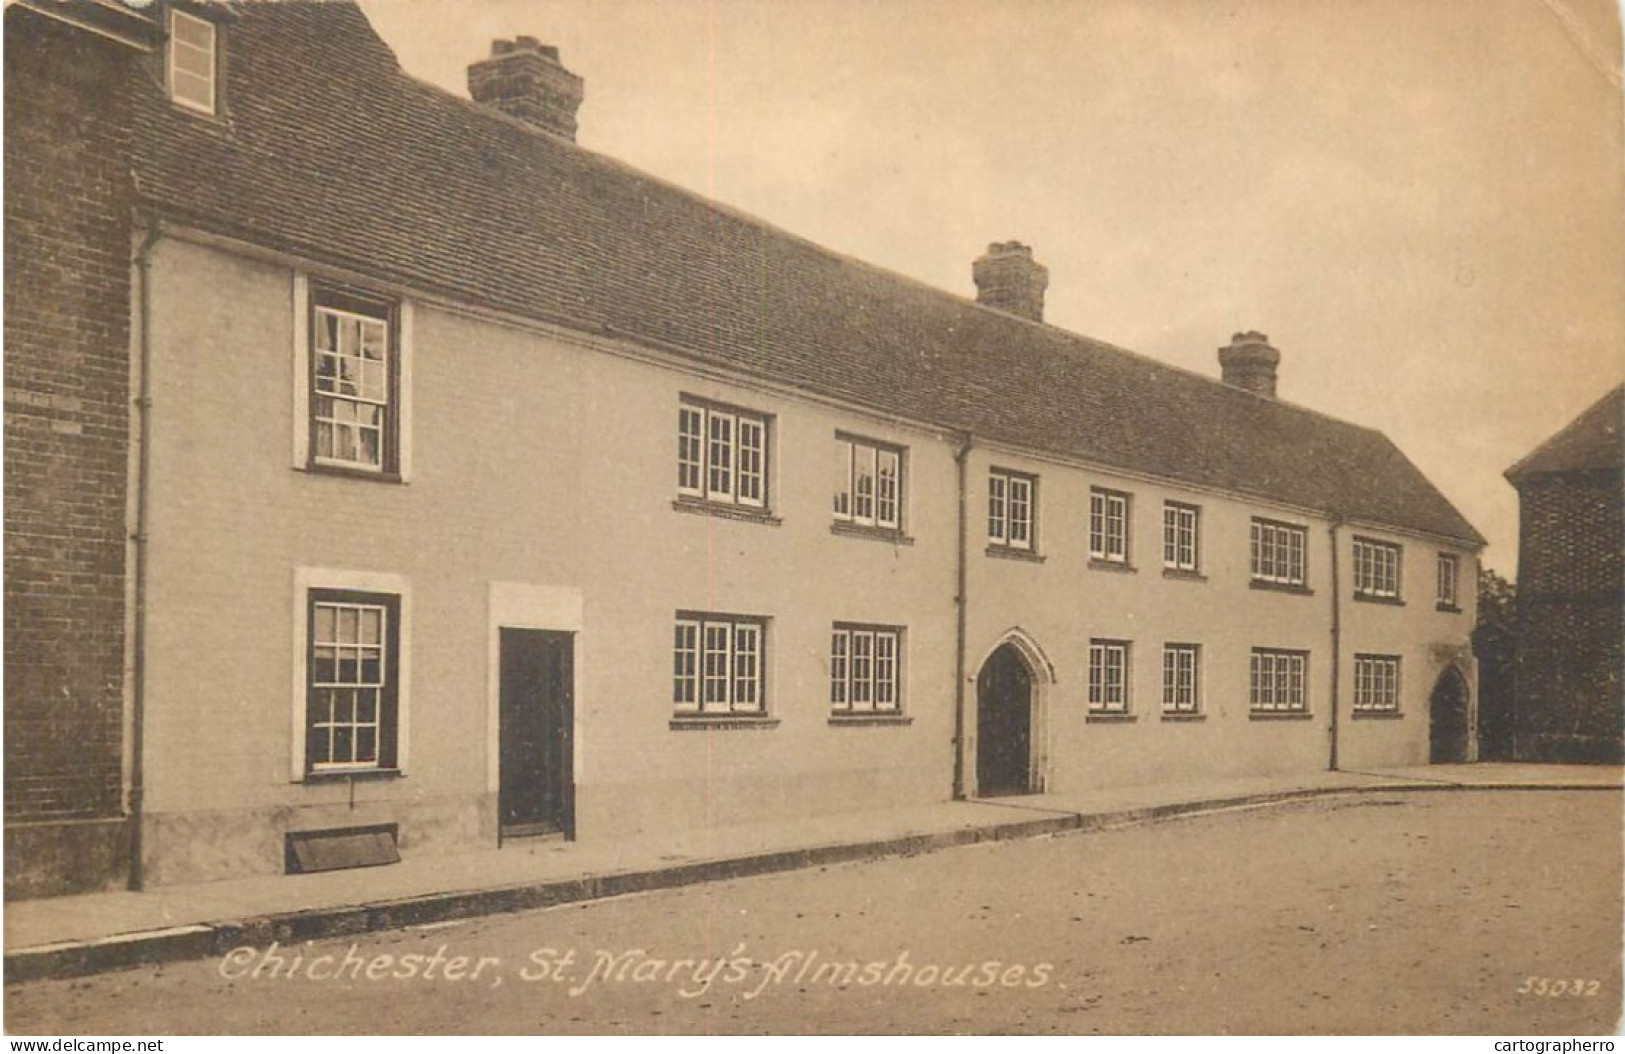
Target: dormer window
[(192, 63)]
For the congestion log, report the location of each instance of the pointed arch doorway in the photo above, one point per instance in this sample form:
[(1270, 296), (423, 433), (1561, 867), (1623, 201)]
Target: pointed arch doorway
[(1449, 722), (1004, 724)]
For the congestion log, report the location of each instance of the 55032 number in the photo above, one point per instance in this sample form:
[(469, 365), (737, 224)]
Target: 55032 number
[(1558, 986)]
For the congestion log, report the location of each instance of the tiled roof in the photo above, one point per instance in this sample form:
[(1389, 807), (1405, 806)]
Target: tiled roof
[(329, 150), (1589, 442)]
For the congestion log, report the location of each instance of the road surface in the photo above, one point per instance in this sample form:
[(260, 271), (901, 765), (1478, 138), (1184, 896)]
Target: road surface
[(1484, 912)]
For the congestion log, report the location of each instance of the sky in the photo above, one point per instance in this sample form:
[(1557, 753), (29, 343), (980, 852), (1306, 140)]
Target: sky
[(1421, 202)]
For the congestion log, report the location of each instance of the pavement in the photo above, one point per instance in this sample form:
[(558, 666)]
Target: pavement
[(74, 936)]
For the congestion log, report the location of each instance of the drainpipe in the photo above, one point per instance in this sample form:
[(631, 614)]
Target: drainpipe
[(1337, 641), (962, 465), (138, 632)]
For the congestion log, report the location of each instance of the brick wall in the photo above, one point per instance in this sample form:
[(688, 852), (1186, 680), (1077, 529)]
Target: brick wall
[(67, 296), (1570, 624)]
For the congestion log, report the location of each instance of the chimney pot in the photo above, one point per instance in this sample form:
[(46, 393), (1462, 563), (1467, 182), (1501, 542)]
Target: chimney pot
[(523, 78), (1009, 279), (1249, 362)]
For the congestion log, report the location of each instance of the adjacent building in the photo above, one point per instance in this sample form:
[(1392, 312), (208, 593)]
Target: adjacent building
[(389, 474), (1568, 694)]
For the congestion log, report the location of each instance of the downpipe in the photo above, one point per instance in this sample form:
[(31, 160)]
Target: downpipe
[(1337, 643), (962, 465), (138, 537)]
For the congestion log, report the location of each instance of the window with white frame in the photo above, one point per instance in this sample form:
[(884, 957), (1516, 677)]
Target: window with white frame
[(868, 483), (352, 677), (1108, 525), (192, 61), (354, 384), (1449, 579), (1376, 569), (1181, 678), (1108, 676), (1181, 538), (865, 669), (721, 454), (1376, 683), (1278, 681), (1010, 508), (1278, 552), (719, 664)]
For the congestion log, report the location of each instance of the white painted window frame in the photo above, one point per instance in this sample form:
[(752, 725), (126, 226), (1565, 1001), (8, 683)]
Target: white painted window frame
[(1108, 525), (1377, 683), (1109, 659), (1181, 536), (866, 669), (733, 455), (1181, 678), (1280, 552), (402, 347), (306, 579), (1378, 569), (173, 66)]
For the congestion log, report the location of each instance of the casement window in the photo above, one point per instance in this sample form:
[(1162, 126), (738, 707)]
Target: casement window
[(192, 61), (1449, 578), (868, 483), (1181, 538), (719, 664), (1181, 678), (865, 669), (1278, 681), (1278, 552), (1376, 683), (721, 454), (1011, 509), (1108, 676), (349, 403), (1108, 526), (1376, 569)]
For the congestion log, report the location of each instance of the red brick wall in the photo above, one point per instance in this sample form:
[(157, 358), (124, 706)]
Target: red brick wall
[(67, 403), (1570, 623)]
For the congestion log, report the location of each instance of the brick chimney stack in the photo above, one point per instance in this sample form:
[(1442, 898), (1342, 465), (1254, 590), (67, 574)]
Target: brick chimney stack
[(1009, 279), (1249, 362), (523, 78)]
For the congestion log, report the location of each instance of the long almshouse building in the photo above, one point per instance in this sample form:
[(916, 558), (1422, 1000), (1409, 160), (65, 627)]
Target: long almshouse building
[(386, 471)]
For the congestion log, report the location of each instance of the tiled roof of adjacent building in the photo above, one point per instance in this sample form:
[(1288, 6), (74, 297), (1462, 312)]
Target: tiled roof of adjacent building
[(328, 150), (1588, 443)]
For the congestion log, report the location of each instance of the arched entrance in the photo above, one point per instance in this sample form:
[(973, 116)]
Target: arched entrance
[(1448, 724), (1004, 724)]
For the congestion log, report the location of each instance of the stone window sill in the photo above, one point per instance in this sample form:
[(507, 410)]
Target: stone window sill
[(1180, 717), (1281, 715), (1110, 719), (726, 512), (720, 722), (855, 720), (1450, 609), (1281, 587), (1180, 574), (873, 534), (351, 775), (1004, 552), (1118, 566), (1367, 598), (1377, 715), (345, 472)]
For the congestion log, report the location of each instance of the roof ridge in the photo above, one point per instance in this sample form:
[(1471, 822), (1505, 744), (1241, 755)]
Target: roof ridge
[(744, 216)]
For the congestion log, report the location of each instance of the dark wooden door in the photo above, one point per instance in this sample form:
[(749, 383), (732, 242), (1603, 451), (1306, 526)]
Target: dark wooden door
[(1004, 716), (537, 721), (1448, 725)]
